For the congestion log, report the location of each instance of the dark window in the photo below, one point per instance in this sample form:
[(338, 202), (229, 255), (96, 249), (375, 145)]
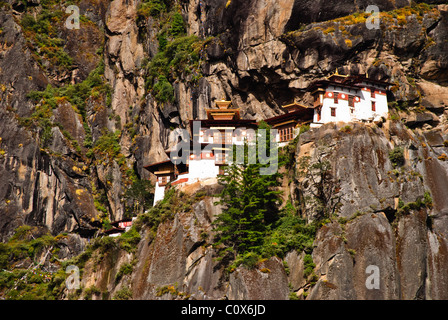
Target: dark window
[(163, 180), (286, 134), (333, 112), (373, 106), (351, 101)]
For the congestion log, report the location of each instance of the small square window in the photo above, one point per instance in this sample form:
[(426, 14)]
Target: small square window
[(333, 112)]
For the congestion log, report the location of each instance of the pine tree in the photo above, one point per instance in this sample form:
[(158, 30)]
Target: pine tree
[(250, 203)]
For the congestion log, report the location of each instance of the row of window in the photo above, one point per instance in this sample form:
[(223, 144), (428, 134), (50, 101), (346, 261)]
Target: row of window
[(286, 134), (333, 111), (225, 137)]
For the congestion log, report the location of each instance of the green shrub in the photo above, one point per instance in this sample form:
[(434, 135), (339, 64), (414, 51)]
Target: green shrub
[(129, 240), (123, 294), (88, 142), (289, 233), (421, 202), (293, 296), (41, 32), (396, 156), (175, 60), (346, 129), (76, 94), (173, 202), (177, 25), (178, 54), (32, 283), (308, 265), (89, 292), (427, 199), (151, 8), (124, 270), (249, 260), (108, 144), (104, 244), (163, 90)]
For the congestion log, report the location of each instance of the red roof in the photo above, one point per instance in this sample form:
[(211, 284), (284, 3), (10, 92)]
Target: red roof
[(114, 230), (115, 223), (179, 181)]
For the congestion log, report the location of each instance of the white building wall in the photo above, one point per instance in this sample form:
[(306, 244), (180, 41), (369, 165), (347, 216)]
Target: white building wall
[(342, 111), (362, 109), (202, 169), (159, 193), (382, 109)]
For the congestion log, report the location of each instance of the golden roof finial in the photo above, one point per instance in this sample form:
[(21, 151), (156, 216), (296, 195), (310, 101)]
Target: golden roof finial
[(337, 72)]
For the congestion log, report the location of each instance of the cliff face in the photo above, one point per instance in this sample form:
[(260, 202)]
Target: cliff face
[(68, 156), (407, 242)]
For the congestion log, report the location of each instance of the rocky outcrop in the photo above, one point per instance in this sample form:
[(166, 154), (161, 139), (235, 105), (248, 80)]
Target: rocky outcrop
[(43, 187), (376, 231)]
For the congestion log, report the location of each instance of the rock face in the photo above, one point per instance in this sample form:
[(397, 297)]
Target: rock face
[(66, 169), (375, 231), (380, 250)]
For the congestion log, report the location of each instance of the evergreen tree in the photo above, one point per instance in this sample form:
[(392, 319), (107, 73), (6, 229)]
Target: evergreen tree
[(138, 197), (250, 201)]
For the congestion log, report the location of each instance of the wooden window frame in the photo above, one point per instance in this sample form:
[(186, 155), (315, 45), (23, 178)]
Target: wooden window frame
[(336, 97), (351, 101), (163, 180), (286, 134), (333, 112)]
